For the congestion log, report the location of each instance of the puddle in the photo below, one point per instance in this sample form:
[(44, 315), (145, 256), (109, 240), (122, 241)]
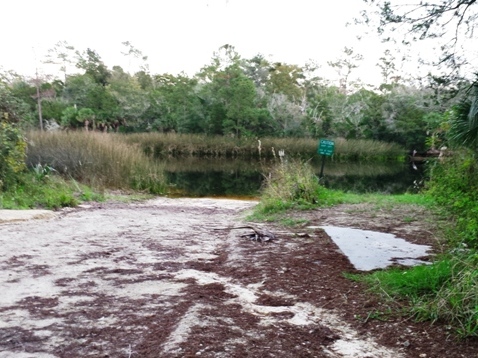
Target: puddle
[(369, 250)]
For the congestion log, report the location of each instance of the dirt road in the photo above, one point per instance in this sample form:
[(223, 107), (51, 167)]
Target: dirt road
[(155, 279)]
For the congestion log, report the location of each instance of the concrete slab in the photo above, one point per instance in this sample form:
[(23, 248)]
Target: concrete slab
[(368, 250)]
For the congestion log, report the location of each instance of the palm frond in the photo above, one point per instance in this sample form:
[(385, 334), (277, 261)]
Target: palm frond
[(464, 125)]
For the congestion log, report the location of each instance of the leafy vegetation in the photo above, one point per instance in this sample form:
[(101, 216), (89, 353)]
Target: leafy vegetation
[(293, 185), (12, 142), (12, 154), (236, 98), (40, 190), (464, 121), (454, 186)]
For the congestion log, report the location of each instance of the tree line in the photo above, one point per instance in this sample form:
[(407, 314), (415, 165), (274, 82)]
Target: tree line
[(233, 96)]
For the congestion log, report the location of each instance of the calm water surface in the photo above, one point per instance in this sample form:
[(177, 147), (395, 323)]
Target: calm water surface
[(199, 177)]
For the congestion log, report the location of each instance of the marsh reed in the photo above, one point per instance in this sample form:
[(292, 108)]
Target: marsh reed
[(96, 159), (161, 144)]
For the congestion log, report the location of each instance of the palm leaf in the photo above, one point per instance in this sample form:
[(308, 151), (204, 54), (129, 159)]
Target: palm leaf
[(464, 126)]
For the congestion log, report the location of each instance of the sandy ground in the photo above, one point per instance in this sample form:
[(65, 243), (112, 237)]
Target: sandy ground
[(22, 215), (155, 279)]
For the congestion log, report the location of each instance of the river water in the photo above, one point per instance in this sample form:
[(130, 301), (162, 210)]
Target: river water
[(238, 178)]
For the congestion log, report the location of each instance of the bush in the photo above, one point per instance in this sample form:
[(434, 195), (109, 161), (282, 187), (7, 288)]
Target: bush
[(454, 186), (293, 185), (12, 154), (12, 142)]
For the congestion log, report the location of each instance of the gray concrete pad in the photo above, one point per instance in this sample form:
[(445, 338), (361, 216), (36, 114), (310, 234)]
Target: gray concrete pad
[(368, 250)]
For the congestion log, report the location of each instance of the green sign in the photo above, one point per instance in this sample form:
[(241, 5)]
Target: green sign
[(326, 147)]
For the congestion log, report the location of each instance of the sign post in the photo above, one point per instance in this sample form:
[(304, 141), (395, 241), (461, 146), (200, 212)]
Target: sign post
[(326, 149)]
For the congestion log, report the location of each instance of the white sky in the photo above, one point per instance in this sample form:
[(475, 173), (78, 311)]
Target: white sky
[(181, 35)]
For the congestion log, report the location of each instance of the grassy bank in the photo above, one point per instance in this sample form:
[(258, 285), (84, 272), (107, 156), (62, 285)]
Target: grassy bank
[(160, 144), (444, 291), (447, 290), (41, 189), (295, 185), (125, 162), (64, 169)]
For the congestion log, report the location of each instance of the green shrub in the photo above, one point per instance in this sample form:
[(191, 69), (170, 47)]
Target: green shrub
[(453, 185), (464, 121), (12, 154), (293, 185)]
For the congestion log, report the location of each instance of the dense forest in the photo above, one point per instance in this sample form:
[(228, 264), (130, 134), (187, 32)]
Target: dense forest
[(236, 97)]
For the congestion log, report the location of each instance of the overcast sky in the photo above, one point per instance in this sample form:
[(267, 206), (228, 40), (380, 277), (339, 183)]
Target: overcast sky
[(181, 35)]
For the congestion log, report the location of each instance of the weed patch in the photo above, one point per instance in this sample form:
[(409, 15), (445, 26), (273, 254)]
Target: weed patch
[(293, 185), (50, 192)]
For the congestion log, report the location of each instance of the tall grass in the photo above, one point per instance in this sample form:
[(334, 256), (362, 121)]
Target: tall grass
[(96, 159), (360, 149), (293, 184), (160, 144), (456, 301)]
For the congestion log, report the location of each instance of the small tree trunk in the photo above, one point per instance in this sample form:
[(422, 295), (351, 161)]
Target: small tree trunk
[(40, 117)]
